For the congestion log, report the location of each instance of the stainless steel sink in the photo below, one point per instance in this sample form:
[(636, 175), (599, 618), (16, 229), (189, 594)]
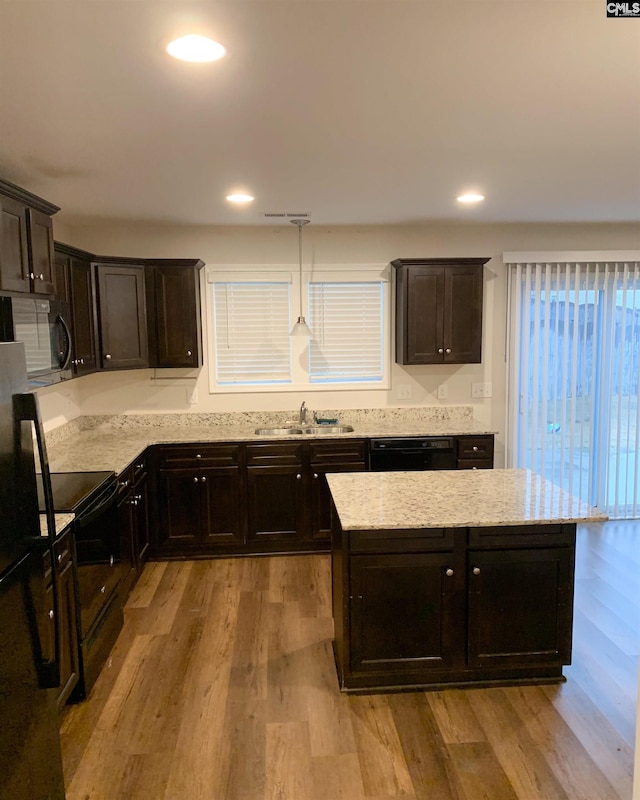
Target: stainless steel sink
[(328, 429), (277, 431)]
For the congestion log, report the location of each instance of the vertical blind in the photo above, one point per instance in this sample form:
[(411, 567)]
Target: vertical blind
[(251, 324), (346, 321), (574, 389)]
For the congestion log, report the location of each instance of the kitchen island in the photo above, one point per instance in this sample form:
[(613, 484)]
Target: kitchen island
[(452, 578)]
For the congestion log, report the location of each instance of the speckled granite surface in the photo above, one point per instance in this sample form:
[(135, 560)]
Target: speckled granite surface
[(452, 499), (62, 520), (112, 443)]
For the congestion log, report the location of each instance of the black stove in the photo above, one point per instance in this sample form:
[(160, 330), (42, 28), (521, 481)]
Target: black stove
[(75, 492)]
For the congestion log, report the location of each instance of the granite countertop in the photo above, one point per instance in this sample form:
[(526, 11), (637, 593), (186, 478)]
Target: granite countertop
[(62, 522), (116, 443), (453, 499)]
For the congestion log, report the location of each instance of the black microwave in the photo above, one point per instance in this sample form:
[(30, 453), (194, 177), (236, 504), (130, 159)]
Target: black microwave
[(43, 326)]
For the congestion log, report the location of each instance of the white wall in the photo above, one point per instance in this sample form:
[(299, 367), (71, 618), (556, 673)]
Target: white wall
[(138, 392)]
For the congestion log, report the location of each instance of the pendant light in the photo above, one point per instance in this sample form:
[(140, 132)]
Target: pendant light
[(300, 328)]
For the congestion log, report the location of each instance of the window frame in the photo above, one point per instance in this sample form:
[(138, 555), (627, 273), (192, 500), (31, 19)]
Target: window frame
[(347, 273)]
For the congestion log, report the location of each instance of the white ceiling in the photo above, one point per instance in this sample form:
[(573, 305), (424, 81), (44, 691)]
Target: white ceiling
[(360, 112)]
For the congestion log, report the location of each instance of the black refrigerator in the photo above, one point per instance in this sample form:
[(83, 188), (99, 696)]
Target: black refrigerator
[(30, 759)]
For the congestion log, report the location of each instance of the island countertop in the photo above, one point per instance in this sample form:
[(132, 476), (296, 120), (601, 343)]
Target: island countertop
[(453, 499)]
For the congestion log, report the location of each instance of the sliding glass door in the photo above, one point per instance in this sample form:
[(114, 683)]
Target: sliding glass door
[(573, 368)]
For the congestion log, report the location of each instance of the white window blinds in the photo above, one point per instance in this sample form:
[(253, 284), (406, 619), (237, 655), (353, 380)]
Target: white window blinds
[(251, 329), (346, 321), (574, 367)]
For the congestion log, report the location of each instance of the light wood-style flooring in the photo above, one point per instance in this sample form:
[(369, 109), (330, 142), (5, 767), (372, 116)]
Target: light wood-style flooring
[(222, 687)]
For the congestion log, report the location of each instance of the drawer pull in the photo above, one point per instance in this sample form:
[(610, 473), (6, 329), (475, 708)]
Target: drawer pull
[(59, 557), (111, 561), (475, 448), (449, 572), (195, 480), (298, 477), (476, 570), (198, 455), (203, 479), (315, 476), (108, 357)]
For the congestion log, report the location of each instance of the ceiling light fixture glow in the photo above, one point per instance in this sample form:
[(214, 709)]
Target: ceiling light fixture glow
[(470, 198), (240, 197), (195, 48)]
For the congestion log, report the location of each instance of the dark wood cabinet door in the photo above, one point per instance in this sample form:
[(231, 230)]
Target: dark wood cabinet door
[(222, 504), (14, 247), (126, 525), (403, 613), (41, 255), (122, 317), (84, 317), (462, 314), (520, 606), (419, 341), (320, 503), (177, 317), (179, 508), (62, 277), (275, 503)]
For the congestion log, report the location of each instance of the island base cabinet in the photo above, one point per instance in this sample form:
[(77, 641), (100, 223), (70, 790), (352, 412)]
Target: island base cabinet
[(403, 612), (461, 607), (520, 607)]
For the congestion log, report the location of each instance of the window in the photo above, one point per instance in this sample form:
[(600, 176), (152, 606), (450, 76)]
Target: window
[(574, 366), (251, 322), (346, 323), (251, 314)]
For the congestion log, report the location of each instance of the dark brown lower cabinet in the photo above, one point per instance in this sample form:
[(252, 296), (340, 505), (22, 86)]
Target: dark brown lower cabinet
[(198, 508), (275, 503), (495, 608), (133, 519)]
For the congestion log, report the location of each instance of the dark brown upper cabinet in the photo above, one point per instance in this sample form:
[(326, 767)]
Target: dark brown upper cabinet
[(122, 315), (173, 312), (439, 310), (26, 241), (75, 286)]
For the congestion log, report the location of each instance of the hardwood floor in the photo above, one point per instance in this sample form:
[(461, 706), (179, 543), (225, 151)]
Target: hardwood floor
[(222, 686)]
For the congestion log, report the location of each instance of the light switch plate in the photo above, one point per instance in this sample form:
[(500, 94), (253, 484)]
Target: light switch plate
[(481, 390), (403, 391), (443, 391)]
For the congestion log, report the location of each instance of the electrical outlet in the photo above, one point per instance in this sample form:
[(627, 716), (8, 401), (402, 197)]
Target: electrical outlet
[(481, 390), (443, 391), (403, 391)]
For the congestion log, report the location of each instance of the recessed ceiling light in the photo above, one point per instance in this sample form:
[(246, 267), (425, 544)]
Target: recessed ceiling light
[(239, 197), (470, 198), (195, 48)]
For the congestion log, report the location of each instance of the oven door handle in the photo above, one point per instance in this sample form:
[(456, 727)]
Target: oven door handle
[(95, 511)]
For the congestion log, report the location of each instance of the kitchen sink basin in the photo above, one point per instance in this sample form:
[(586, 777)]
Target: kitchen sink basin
[(329, 429), (277, 431)]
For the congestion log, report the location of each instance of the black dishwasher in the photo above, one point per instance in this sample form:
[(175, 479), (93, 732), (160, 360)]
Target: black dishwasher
[(411, 453)]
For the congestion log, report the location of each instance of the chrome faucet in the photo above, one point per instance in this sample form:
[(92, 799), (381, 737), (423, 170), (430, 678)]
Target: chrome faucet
[(303, 413)]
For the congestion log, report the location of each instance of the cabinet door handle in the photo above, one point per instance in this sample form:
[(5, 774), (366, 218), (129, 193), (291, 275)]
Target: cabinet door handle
[(448, 350), (475, 448), (123, 484), (59, 557), (315, 476), (474, 467), (476, 570), (189, 353), (32, 275), (449, 572), (298, 477), (41, 276), (51, 614), (82, 360), (196, 479), (198, 455), (108, 357), (441, 350), (103, 590), (139, 466), (111, 561), (203, 479)]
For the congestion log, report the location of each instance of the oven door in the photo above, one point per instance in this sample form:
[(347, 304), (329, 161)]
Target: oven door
[(98, 557)]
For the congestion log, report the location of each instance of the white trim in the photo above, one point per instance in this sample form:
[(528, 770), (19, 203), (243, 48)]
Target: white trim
[(249, 277), (571, 256)]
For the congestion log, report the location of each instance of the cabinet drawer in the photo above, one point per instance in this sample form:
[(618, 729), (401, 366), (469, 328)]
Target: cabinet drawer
[(401, 541), (339, 452), (475, 447), (62, 554), (219, 455), (525, 536), (475, 463), (272, 454)]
